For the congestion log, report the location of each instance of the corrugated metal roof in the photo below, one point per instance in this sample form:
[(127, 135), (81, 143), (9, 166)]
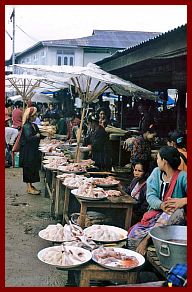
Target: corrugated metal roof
[(106, 39), (142, 44), (117, 39)]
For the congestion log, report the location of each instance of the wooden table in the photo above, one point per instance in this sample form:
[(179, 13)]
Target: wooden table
[(146, 284), (123, 202), (50, 188), (59, 197), (152, 258), (92, 271), (66, 204)]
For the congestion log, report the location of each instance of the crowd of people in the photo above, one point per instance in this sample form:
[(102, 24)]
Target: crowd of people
[(158, 186)]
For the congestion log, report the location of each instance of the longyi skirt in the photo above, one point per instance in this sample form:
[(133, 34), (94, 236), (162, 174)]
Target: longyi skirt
[(30, 175)]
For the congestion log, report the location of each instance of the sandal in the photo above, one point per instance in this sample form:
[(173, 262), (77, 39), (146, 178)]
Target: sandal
[(33, 192), (35, 189)]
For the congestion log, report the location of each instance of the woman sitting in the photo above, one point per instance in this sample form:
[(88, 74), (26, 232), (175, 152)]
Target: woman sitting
[(137, 189), (165, 182)]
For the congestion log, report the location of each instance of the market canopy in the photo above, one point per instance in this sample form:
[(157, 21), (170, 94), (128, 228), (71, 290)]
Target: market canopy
[(43, 98), (27, 85), (90, 81)]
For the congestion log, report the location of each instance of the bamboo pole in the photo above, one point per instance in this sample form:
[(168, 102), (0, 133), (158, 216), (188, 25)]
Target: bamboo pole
[(15, 85), (77, 155), (94, 96), (88, 89), (24, 96)]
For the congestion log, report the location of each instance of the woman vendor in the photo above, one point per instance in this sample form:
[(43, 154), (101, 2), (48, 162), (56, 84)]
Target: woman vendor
[(99, 144), (140, 147), (29, 153), (165, 184), (102, 117)]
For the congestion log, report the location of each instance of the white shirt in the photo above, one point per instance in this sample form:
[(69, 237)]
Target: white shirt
[(10, 135)]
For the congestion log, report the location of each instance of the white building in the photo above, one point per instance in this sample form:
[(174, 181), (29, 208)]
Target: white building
[(81, 51)]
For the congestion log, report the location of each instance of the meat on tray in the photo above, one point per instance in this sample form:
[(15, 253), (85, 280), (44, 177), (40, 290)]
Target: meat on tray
[(59, 232), (113, 193), (106, 181), (103, 233), (76, 167), (109, 256), (77, 180), (64, 256), (88, 191)]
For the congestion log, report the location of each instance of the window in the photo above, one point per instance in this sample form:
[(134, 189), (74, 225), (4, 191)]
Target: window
[(43, 53), (64, 58), (71, 61), (65, 61), (59, 60)]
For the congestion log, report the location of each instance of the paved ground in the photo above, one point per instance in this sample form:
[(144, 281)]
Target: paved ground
[(26, 215)]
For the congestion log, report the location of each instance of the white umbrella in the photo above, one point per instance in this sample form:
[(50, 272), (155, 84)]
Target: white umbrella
[(26, 84), (15, 98), (44, 98), (90, 82)]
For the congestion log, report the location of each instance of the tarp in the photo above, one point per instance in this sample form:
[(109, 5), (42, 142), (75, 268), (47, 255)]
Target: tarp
[(35, 98), (170, 101), (89, 81)]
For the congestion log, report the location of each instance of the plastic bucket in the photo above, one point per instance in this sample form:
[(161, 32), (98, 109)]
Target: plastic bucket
[(16, 159)]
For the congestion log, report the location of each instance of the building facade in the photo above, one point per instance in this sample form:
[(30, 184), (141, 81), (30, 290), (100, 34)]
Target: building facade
[(81, 51)]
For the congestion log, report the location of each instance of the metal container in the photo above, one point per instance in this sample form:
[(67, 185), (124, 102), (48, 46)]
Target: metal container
[(171, 244)]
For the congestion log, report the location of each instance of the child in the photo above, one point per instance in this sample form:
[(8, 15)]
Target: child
[(137, 189)]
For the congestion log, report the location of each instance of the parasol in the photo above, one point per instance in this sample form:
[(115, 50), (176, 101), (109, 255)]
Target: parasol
[(89, 82), (27, 85)]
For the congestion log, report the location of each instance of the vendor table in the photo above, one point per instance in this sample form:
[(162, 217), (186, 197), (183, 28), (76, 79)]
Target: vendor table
[(59, 197), (123, 202), (66, 205), (152, 258), (50, 188), (92, 271)]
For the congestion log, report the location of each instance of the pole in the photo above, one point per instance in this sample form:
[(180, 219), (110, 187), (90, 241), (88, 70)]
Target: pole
[(13, 54), (121, 124)]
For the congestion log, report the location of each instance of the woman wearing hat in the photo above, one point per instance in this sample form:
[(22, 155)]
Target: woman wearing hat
[(29, 154)]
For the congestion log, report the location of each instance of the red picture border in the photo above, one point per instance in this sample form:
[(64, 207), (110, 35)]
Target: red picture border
[(189, 108)]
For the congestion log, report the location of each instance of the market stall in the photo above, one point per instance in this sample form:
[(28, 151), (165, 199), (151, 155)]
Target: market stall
[(89, 82)]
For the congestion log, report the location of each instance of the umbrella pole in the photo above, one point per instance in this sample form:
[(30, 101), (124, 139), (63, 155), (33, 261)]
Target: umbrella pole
[(77, 156), (121, 124)]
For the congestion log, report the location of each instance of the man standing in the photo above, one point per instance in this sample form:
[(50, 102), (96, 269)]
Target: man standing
[(17, 115)]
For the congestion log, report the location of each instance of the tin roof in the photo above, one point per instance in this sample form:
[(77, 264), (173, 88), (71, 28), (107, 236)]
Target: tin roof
[(117, 39), (106, 39), (144, 43)]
